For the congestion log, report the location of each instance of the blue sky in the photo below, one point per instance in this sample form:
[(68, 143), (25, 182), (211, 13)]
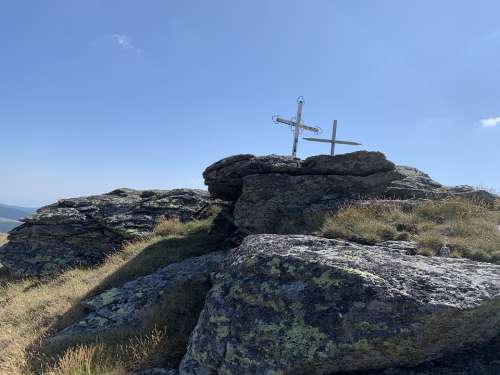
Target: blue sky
[(96, 95)]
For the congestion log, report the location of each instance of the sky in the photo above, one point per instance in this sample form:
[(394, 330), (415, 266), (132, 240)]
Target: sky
[(96, 95)]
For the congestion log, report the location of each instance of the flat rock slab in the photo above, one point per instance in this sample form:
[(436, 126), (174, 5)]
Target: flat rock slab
[(83, 231), (126, 306), (225, 177), (308, 305)]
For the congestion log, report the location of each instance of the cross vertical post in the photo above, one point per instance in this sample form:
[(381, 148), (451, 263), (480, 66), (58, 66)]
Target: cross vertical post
[(297, 125), (334, 137), (296, 130), (334, 140)]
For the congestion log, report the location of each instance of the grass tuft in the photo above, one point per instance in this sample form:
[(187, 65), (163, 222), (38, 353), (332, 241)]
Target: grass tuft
[(174, 227), (105, 359), (3, 239), (469, 229), (368, 223)]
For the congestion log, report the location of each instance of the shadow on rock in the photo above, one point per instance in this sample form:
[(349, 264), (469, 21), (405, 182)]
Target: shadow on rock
[(166, 282)]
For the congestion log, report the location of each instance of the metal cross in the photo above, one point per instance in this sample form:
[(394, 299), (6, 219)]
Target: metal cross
[(334, 140), (297, 124)]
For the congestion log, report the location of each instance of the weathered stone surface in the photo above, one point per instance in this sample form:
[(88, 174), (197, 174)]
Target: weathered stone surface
[(279, 194), (224, 178), (280, 203), (410, 183), (359, 163), (478, 360), (308, 305), (126, 306), (82, 231)]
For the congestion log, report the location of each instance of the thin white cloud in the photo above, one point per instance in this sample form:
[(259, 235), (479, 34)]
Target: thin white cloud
[(493, 35), (490, 122), (124, 42)]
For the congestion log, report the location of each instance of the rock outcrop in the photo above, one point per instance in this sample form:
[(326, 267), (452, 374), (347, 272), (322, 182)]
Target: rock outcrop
[(82, 231), (127, 306), (281, 194), (225, 177), (308, 305)]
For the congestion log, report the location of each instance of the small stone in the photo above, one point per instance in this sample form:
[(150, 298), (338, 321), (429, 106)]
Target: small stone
[(444, 251)]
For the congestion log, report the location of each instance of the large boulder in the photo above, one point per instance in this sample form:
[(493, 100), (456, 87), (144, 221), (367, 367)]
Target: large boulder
[(224, 178), (280, 194), (83, 231), (309, 305), (127, 306), (359, 163)]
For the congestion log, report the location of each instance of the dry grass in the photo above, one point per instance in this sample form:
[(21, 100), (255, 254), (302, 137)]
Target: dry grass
[(104, 359), (469, 229), (3, 238), (32, 309)]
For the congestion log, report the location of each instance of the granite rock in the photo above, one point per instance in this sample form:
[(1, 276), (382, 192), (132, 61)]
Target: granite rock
[(308, 305), (83, 231)]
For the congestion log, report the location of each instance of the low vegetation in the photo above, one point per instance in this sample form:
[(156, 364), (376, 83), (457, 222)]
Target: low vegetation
[(3, 239), (468, 229), (32, 309)]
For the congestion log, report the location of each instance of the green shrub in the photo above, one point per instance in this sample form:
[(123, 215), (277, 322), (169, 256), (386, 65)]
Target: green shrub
[(358, 224), (431, 241), (175, 227), (403, 236), (449, 210)]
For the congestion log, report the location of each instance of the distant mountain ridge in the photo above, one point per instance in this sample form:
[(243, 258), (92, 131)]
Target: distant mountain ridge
[(10, 216), (15, 212)]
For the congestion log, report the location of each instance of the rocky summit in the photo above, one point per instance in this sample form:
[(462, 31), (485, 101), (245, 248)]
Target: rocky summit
[(308, 305), (281, 194), (82, 231), (256, 290)]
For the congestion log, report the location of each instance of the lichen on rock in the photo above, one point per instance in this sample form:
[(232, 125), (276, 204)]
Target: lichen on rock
[(308, 305), (83, 231), (126, 306)]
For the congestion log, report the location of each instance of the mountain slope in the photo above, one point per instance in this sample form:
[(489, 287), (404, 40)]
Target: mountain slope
[(7, 225), (14, 212)]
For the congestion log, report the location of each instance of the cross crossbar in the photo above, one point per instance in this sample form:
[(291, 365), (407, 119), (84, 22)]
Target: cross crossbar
[(297, 125), (334, 140), (291, 123), (329, 141)]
